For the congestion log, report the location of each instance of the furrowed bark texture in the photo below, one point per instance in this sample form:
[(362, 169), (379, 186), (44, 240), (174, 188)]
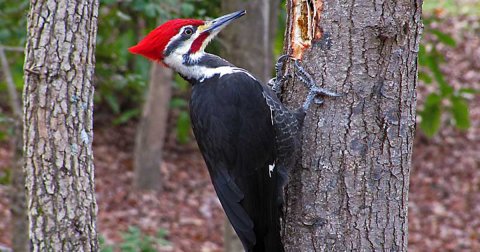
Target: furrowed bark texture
[(152, 130), (58, 132), (349, 191)]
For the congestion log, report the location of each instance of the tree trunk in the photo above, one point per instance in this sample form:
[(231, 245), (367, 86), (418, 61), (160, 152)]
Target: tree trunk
[(251, 49), (152, 130), (349, 190), (58, 130)]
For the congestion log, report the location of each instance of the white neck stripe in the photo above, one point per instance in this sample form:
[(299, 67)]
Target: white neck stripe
[(200, 73)]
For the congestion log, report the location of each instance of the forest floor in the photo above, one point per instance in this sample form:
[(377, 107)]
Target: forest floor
[(444, 199)]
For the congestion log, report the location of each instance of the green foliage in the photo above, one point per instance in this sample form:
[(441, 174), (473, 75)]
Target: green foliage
[(13, 22), (13, 25), (431, 114), (104, 247), (126, 116), (452, 7), (459, 110), (135, 241), (445, 99), (279, 36), (183, 124), (6, 126), (183, 127), (5, 176)]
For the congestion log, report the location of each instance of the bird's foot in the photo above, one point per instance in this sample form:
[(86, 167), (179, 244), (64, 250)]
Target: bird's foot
[(303, 75), (315, 93), (280, 78), (315, 96)]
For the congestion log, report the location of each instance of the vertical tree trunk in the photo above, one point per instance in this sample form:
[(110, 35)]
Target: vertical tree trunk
[(152, 130), (349, 191), (251, 49), (58, 130)]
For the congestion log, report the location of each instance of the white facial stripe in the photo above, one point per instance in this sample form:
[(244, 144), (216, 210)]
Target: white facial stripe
[(185, 46), (176, 59)]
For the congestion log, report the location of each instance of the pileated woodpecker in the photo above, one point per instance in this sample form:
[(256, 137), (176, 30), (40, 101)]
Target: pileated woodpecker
[(246, 135)]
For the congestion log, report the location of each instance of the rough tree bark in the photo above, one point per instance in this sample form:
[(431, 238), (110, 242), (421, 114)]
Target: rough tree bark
[(349, 190), (58, 134), (18, 206), (251, 49), (152, 129)]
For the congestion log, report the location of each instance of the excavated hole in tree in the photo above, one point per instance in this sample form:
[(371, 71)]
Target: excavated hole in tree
[(305, 16)]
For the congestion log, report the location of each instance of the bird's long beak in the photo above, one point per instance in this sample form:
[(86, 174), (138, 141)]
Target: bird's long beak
[(218, 24)]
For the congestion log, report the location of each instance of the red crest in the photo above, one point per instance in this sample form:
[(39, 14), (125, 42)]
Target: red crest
[(153, 45)]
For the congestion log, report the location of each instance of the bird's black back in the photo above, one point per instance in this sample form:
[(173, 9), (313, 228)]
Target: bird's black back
[(234, 130)]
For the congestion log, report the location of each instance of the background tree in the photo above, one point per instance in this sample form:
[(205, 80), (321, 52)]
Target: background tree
[(349, 191), (58, 130), (18, 206), (152, 129)]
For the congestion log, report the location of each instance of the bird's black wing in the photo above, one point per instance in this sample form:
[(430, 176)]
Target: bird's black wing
[(233, 127)]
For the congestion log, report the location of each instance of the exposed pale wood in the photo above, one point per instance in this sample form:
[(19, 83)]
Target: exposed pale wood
[(349, 191), (58, 125)]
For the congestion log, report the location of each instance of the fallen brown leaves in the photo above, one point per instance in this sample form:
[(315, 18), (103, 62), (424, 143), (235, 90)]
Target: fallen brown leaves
[(187, 207), (444, 200)]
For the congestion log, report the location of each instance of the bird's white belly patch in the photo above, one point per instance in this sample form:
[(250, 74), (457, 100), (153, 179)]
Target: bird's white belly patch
[(270, 169)]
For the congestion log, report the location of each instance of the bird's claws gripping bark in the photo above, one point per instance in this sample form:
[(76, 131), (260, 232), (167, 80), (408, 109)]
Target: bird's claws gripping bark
[(315, 92), (280, 78), (314, 95)]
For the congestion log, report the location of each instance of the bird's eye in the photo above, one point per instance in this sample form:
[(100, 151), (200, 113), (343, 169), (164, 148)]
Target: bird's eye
[(188, 31)]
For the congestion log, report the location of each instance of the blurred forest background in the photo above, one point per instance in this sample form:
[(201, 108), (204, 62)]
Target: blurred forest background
[(184, 213)]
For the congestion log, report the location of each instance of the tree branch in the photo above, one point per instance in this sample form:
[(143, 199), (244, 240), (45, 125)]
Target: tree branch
[(12, 48)]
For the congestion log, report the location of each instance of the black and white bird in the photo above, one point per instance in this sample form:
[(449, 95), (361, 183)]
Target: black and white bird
[(246, 135)]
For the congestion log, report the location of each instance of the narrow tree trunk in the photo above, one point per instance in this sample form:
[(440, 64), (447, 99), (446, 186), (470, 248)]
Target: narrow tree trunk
[(249, 45), (58, 130), (18, 206), (349, 191), (152, 130)]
